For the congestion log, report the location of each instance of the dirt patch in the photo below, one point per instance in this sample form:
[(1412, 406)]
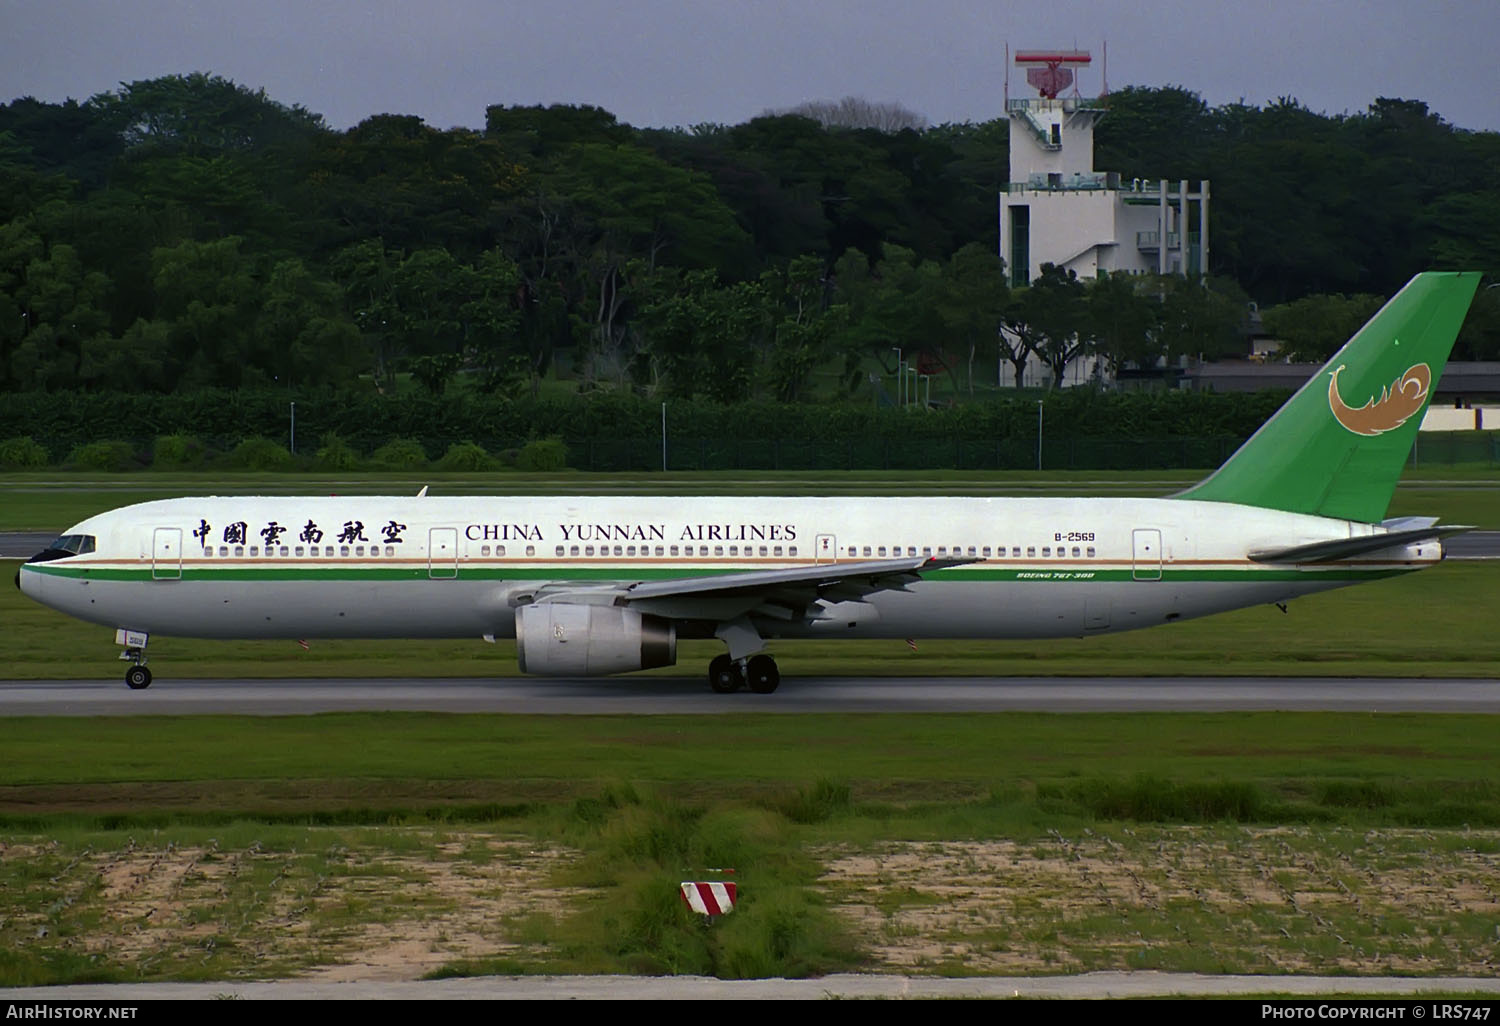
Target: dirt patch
[(1184, 898), (394, 903), (367, 915)]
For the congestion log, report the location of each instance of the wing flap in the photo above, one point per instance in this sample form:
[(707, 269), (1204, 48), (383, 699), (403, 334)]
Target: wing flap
[(864, 576)]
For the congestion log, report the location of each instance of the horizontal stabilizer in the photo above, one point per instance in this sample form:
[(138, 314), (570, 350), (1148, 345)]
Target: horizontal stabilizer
[(1346, 548)]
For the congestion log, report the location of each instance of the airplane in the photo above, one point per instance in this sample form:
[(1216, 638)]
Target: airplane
[(597, 586)]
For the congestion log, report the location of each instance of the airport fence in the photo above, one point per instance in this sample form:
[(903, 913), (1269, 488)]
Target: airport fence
[(1450, 448), (863, 452)]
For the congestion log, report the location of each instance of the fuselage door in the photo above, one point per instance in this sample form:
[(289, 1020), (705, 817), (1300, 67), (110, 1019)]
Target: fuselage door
[(1147, 564), (826, 549), (442, 552), (166, 554)]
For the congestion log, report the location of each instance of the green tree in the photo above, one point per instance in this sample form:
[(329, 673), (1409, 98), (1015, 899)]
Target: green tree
[(1050, 318), (492, 317), (302, 330), (1123, 317), (207, 294), (366, 271), (1201, 318), (1311, 329), (972, 297), (63, 307), (702, 337)]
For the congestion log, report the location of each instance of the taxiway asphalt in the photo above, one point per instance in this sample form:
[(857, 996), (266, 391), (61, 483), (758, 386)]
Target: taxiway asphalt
[(660, 695)]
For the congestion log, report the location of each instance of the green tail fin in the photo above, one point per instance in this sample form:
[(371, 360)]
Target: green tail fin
[(1337, 447)]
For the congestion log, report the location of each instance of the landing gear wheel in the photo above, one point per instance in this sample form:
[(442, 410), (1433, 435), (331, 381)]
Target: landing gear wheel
[(137, 678), (762, 675), (724, 675)]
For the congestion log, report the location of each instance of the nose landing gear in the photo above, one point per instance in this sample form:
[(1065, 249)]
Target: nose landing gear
[(138, 677)]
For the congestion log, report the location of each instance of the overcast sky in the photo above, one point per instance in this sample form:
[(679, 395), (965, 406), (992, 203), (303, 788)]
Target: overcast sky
[(682, 62)]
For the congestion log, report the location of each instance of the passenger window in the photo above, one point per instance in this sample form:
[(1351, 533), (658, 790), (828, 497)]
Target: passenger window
[(762, 550), (390, 550), (300, 550), (986, 551), (734, 550), (880, 551), (588, 550), (718, 550), (573, 551), (672, 550), (1075, 552), (776, 550), (239, 550), (619, 551), (942, 550), (867, 550), (926, 550), (1016, 551), (343, 550), (499, 550), (973, 553), (658, 549), (793, 550), (484, 550), (630, 550), (359, 550), (1046, 550), (531, 550), (1091, 550), (255, 550), (1030, 551), (283, 550), (911, 550)]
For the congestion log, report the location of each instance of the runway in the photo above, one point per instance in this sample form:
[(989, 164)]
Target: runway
[(686, 695)]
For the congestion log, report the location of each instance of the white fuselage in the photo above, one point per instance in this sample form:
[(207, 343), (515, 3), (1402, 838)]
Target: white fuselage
[(434, 567)]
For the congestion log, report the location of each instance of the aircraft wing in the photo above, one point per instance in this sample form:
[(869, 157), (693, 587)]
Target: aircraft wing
[(1346, 548), (783, 594)]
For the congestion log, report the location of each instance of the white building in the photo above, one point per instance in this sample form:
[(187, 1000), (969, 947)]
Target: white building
[(1057, 209)]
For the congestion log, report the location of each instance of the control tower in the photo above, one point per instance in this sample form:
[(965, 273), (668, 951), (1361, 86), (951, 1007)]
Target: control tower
[(1058, 210)]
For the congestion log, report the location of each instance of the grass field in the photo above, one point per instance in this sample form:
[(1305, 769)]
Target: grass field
[(347, 845), (356, 846)]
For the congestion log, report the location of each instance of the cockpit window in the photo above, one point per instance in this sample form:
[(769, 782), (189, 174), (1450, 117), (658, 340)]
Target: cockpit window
[(74, 544)]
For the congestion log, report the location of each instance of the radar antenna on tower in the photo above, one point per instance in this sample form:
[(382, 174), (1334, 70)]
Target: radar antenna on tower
[(1049, 72)]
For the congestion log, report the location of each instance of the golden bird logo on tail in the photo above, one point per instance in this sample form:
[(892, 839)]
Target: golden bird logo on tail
[(1395, 406)]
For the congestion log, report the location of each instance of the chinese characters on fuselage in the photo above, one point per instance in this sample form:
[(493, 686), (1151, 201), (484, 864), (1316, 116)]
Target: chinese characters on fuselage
[(393, 532)]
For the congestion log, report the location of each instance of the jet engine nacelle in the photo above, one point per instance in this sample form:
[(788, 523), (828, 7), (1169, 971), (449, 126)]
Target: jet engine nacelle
[(561, 639)]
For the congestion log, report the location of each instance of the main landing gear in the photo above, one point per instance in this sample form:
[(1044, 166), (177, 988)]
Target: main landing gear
[(759, 672), (738, 667), (138, 677)]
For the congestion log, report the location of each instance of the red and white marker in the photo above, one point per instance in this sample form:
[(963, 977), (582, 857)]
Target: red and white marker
[(709, 898)]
